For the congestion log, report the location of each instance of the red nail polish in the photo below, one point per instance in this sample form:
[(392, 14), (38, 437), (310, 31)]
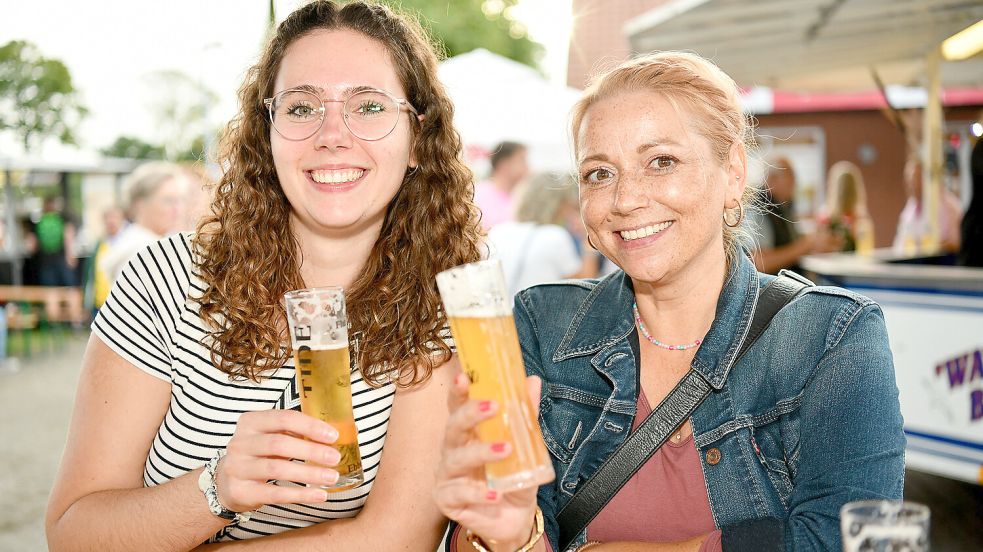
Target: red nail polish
[(484, 406), (491, 495), (498, 447)]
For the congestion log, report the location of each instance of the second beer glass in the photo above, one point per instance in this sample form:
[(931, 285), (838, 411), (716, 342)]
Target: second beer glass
[(479, 309), (319, 335)]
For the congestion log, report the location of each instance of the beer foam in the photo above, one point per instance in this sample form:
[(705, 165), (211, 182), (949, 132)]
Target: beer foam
[(480, 311)]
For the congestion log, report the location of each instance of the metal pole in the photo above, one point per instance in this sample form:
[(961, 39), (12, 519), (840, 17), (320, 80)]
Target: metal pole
[(13, 244), (932, 153)]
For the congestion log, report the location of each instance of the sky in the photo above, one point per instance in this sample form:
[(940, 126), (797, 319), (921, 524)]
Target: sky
[(112, 47)]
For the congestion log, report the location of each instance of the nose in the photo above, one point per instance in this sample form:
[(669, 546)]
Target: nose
[(333, 134), (629, 194)]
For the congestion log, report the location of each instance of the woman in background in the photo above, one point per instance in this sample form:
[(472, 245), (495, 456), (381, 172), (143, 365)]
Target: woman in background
[(846, 208), (541, 244)]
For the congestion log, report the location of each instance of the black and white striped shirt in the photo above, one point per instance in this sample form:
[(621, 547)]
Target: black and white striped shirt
[(151, 319)]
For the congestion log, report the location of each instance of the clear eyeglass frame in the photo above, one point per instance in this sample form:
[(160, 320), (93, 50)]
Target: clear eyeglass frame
[(401, 103)]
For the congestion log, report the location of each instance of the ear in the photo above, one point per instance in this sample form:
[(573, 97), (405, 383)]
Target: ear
[(736, 174)]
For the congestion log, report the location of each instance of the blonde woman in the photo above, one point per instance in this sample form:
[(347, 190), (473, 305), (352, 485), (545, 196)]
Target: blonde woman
[(846, 213), (804, 422)]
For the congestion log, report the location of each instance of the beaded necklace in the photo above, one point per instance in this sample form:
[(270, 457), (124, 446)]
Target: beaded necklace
[(656, 342)]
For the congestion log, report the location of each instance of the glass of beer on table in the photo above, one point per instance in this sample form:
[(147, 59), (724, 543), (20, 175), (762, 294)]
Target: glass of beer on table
[(479, 309), (319, 335)]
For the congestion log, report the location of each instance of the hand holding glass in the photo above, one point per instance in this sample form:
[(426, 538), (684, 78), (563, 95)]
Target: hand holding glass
[(478, 307), (319, 334)]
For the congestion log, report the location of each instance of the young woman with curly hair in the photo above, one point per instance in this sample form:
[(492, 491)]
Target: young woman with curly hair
[(342, 168)]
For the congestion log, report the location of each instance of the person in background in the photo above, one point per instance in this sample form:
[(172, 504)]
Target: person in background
[(99, 281), (846, 213), (806, 421), (540, 245), (199, 197), (156, 194), (342, 168), (494, 196), (913, 223), (780, 245), (971, 248), (55, 233)]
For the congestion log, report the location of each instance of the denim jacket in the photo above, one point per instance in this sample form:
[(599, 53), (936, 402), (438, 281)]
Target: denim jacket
[(806, 421)]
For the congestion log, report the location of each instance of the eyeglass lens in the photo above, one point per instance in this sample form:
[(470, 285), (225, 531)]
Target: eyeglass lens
[(369, 115)]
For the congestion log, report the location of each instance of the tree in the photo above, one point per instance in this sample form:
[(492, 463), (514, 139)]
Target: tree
[(134, 148), (463, 25), (37, 98), (181, 107)]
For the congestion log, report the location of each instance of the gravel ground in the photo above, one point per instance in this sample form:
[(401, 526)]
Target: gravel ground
[(36, 406), (35, 409)]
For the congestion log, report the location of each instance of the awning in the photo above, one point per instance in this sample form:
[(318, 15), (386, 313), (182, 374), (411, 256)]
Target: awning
[(813, 44)]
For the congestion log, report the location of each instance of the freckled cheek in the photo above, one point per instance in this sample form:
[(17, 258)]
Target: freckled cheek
[(593, 210)]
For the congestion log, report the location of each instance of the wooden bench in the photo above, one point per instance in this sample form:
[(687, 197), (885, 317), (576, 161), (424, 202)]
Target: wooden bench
[(41, 308)]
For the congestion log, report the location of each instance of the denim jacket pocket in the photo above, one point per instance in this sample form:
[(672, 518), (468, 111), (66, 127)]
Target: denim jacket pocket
[(567, 415), (774, 438)]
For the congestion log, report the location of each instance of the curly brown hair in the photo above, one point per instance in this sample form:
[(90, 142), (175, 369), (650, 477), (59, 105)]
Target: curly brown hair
[(249, 257)]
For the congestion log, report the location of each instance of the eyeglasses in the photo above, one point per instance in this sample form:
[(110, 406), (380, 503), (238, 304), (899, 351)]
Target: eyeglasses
[(369, 114)]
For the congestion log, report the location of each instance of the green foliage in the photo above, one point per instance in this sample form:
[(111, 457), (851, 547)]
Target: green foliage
[(37, 98), (133, 148), (180, 105), (463, 25)]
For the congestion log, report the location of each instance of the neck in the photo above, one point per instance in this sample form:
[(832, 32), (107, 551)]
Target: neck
[(333, 259), (681, 310), (502, 183)]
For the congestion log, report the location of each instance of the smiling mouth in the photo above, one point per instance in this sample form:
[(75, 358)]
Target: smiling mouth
[(336, 177), (629, 235)]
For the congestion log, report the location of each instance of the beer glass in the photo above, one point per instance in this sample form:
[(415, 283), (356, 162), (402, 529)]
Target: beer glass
[(319, 335), (884, 526), (479, 309)]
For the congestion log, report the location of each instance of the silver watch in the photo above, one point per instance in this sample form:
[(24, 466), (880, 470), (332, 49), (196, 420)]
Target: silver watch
[(206, 484)]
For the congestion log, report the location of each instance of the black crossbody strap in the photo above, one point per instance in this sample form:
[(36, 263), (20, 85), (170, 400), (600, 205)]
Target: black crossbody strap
[(671, 413)]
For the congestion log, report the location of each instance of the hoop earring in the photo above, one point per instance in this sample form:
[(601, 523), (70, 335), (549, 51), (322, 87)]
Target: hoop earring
[(413, 171), (740, 216), (590, 243)]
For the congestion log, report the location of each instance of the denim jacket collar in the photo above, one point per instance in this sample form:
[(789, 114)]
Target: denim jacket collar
[(605, 318)]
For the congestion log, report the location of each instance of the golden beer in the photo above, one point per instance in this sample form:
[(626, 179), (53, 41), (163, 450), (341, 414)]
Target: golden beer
[(324, 381), (489, 351)]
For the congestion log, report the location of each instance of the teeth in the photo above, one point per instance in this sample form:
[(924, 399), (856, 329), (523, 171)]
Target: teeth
[(644, 232), (336, 177)]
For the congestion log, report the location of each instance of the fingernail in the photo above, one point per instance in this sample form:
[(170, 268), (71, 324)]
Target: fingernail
[(319, 495), (329, 476), (331, 457), (329, 433), (491, 495), (498, 447), (484, 406)]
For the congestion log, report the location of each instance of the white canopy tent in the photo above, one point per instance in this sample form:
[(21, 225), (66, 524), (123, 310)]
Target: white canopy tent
[(498, 99)]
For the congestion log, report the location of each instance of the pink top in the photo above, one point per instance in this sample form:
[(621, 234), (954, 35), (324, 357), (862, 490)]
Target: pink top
[(666, 501), (495, 205)]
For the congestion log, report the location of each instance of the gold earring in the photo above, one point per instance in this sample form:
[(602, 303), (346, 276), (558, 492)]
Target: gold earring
[(740, 216), (590, 243)]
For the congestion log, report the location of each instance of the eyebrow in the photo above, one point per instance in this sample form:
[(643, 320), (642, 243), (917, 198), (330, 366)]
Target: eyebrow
[(662, 141), (666, 141), (317, 90)]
